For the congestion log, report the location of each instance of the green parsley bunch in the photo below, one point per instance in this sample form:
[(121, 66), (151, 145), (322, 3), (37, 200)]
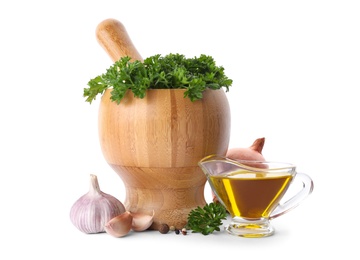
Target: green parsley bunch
[(172, 71)]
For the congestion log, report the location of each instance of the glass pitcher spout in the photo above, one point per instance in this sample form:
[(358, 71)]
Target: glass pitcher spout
[(217, 165)]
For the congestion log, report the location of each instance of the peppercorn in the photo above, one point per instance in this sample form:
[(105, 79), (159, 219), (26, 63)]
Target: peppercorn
[(172, 228), (164, 228), (177, 231), (184, 231)]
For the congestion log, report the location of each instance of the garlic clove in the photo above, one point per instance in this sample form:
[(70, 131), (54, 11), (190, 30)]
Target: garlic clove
[(120, 225), (94, 209), (142, 221)]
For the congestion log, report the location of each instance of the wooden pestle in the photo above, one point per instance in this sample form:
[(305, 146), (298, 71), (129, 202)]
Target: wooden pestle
[(114, 39)]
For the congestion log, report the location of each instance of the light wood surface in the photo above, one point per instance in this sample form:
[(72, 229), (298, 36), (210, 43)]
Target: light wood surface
[(164, 129), (113, 37)]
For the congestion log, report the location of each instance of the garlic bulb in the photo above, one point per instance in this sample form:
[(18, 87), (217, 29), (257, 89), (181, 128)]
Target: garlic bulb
[(94, 209)]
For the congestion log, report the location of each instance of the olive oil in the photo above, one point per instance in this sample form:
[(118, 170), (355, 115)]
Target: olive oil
[(250, 195)]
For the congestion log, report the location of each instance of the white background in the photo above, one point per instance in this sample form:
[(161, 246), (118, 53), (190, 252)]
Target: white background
[(295, 67)]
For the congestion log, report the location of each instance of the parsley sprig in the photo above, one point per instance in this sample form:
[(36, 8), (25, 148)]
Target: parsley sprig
[(206, 220), (159, 72)]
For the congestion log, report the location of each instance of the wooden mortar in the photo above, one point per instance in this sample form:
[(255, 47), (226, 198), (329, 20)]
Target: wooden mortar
[(154, 144)]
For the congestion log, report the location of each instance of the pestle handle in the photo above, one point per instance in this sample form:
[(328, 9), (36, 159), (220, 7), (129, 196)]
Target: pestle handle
[(114, 39)]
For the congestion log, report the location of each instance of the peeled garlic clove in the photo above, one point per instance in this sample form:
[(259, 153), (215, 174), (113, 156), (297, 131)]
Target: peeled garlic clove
[(142, 221), (94, 209), (120, 225)]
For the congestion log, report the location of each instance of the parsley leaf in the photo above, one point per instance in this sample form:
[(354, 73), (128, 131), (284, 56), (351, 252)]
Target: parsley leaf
[(159, 72), (206, 220)]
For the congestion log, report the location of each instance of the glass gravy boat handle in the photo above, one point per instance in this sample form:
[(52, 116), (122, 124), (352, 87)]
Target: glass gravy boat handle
[(294, 201)]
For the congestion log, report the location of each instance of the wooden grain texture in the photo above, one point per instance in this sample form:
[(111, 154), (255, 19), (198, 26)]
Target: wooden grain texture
[(154, 144), (164, 129), (113, 37), (170, 192)]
